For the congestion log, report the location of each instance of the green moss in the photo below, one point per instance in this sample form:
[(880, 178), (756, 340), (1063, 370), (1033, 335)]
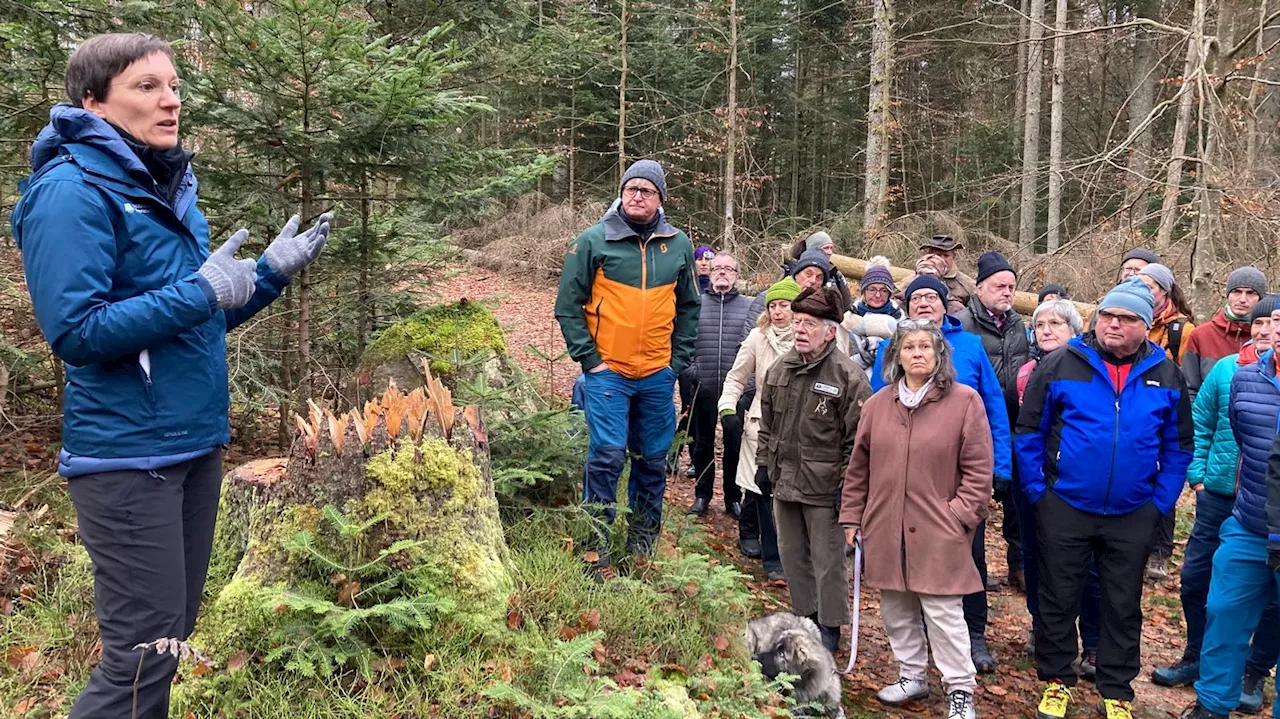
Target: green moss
[(462, 533), (238, 618), (445, 333)]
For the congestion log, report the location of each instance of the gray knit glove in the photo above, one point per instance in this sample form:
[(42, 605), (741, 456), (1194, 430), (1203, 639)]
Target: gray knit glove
[(232, 280), (290, 252)]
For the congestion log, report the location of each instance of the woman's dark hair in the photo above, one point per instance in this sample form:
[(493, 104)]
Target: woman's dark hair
[(99, 59), (1179, 301)]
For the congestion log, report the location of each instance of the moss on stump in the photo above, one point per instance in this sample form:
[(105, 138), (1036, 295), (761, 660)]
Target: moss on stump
[(448, 337)]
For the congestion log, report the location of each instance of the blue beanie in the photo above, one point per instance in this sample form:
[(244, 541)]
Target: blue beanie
[(926, 282), (1132, 295)]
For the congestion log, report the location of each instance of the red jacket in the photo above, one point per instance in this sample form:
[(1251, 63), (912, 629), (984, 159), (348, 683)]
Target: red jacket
[(1210, 342)]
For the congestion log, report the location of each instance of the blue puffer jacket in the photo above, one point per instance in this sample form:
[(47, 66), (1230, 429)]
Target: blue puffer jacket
[(1255, 419), (111, 268), (1102, 449), (973, 369)]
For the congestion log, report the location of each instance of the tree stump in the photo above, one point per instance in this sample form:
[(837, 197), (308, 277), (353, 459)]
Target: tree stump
[(457, 341), (392, 501)]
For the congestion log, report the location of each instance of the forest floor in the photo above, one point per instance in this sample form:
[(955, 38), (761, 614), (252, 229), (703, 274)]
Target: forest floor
[(523, 307)]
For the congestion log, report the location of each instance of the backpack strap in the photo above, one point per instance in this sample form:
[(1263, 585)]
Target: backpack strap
[(1175, 340)]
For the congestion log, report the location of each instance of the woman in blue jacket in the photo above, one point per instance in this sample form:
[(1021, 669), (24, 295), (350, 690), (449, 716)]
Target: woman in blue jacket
[(124, 287)]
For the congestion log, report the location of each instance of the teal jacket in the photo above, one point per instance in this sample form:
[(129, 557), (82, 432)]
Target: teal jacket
[(1217, 456)]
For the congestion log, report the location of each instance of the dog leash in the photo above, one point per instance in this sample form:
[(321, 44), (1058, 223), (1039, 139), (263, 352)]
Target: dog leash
[(855, 603)]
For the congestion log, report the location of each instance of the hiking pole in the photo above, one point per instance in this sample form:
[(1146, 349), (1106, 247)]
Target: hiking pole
[(855, 603)]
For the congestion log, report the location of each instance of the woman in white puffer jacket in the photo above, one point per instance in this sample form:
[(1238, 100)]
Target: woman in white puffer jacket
[(757, 536)]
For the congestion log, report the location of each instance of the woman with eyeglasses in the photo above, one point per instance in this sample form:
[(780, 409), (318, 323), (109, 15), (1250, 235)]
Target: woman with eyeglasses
[(915, 493), (126, 291), (1054, 323)]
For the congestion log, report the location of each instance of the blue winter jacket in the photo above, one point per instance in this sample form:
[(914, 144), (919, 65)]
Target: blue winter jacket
[(1255, 418), (973, 369), (1102, 449), (111, 268)]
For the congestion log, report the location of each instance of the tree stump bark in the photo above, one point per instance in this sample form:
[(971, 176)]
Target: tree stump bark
[(401, 487)]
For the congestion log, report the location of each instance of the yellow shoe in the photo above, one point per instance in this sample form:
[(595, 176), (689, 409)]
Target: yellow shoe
[(1117, 709), (1054, 701)]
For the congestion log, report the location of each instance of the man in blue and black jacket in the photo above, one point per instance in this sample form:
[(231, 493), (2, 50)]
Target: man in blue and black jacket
[(1103, 442), (1244, 577)]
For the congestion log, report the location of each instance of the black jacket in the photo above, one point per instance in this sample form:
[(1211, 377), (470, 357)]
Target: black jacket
[(1008, 350), (719, 336)]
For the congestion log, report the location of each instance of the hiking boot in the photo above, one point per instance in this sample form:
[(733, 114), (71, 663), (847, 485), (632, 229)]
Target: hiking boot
[(904, 690), (960, 705), (1087, 666), (1116, 709), (1054, 701), (750, 548), (1157, 568), (699, 506), (1018, 581), (830, 637), (734, 509), (1251, 694), (690, 472), (982, 660), (1183, 673), (776, 575), (1195, 711)]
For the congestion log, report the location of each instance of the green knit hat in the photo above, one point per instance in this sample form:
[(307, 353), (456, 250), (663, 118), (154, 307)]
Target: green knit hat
[(784, 289)]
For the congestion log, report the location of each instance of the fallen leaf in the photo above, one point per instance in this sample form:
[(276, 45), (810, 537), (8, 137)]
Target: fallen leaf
[(589, 621), (237, 661), (14, 656), (996, 689), (566, 633), (388, 665), (25, 706), (428, 662), (591, 557), (337, 579), (690, 589), (514, 619), (347, 594), (721, 644), (628, 678), (200, 670)]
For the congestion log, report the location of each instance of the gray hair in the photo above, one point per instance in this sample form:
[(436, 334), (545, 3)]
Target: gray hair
[(1062, 308), (943, 376), (99, 59)]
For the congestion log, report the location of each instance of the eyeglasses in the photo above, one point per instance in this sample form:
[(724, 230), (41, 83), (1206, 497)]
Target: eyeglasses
[(726, 270), (809, 325), (1050, 324), (925, 297), (876, 290), (1106, 317), (643, 193), (151, 88)]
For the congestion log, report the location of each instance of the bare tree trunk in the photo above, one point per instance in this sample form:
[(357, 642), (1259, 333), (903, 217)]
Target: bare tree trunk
[(1055, 127), (573, 141), (1031, 129), (304, 292), (731, 149), (1019, 107), (1213, 122), (365, 322), (795, 139), (876, 174), (1142, 102), (622, 99), (1173, 170)]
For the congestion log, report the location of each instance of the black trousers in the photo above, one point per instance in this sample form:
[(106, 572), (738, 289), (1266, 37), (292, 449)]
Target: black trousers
[(1011, 530), (687, 388), (1163, 546), (704, 422), (149, 535), (975, 605), (1120, 545)]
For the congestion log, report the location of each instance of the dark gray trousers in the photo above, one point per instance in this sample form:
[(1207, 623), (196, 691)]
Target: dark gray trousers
[(149, 535)]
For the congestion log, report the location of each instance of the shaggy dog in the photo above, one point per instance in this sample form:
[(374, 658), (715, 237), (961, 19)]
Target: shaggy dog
[(785, 643)]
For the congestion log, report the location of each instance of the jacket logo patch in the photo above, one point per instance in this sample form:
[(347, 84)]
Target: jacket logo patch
[(1153, 383), (132, 208), (663, 247), (829, 390)]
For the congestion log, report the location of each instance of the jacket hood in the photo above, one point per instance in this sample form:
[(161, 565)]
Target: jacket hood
[(616, 227), (69, 124), (951, 325), (1229, 326)]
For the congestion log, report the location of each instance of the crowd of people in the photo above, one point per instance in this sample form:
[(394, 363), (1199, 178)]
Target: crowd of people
[(889, 413)]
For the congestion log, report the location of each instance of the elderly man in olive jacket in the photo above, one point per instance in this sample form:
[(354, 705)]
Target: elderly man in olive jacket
[(810, 403)]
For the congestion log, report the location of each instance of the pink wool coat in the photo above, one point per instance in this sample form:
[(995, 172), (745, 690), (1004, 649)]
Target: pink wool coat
[(917, 485)]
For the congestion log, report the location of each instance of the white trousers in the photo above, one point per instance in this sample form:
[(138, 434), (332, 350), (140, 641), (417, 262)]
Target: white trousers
[(948, 635)]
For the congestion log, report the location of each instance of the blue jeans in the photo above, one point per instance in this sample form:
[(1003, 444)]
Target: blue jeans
[(636, 416), (1197, 569), (1241, 588), (1090, 602)]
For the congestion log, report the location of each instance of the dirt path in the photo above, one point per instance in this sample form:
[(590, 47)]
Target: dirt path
[(524, 309)]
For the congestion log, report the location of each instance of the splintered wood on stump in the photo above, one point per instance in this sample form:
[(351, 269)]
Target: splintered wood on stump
[(408, 471)]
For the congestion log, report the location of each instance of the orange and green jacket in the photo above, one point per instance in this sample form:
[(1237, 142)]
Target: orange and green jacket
[(629, 303)]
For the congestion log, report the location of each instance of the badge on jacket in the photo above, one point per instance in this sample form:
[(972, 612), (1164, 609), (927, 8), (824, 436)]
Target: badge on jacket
[(829, 390)]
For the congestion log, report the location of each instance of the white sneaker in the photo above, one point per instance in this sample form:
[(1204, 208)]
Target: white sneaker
[(960, 705), (903, 691)]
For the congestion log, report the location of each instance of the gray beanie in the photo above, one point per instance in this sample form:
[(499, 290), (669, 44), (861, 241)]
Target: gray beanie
[(1247, 278), (813, 258), (817, 240), (1140, 253), (1131, 295), (1161, 274), (1264, 308), (647, 170)]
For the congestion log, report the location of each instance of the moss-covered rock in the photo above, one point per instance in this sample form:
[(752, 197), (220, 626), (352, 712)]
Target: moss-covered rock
[(448, 337)]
